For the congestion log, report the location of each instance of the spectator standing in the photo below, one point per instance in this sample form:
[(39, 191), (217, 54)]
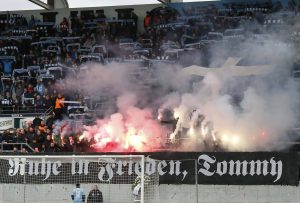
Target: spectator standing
[(147, 20), (47, 142), (50, 121), (18, 90), (53, 147), (17, 105), (39, 136), (64, 27), (59, 106), (36, 122), (30, 134), (48, 102), (95, 196), (42, 127), (68, 60), (30, 90), (27, 97), (66, 146), (39, 103), (22, 136), (32, 22), (74, 54), (40, 88), (35, 145), (78, 195), (75, 25)]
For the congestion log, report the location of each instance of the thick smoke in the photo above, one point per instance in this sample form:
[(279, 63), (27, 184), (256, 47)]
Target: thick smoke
[(247, 113), (131, 125), (236, 113), (260, 121)]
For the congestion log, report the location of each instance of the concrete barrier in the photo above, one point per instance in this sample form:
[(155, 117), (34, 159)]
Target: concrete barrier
[(58, 193)]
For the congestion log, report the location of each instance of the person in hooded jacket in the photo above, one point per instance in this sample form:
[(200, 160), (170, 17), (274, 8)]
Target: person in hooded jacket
[(95, 196)]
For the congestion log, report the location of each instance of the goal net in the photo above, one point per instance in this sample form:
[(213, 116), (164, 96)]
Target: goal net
[(39, 179)]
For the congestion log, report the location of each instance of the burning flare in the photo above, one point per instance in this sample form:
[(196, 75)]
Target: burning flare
[(133, 130)]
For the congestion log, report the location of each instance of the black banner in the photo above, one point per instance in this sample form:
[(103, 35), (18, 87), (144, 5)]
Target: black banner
[(171, 167), (241, 168)]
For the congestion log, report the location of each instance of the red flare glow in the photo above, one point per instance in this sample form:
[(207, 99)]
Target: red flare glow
[(135, 131)]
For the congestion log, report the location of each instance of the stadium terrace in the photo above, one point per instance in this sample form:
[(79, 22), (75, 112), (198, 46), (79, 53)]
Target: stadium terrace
[(164, 102), (95, 83)]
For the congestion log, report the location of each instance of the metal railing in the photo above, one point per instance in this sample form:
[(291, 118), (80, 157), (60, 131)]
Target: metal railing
[(9, 147), (47, 112), (24, 111)]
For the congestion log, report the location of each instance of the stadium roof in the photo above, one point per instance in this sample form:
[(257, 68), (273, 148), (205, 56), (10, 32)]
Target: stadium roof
[(13, 5)]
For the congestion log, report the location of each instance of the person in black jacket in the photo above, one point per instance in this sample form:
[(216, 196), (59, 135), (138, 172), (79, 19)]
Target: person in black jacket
[(95, 196)]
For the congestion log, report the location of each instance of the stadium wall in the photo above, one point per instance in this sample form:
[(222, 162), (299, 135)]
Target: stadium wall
[(139, 10), (168, 193)]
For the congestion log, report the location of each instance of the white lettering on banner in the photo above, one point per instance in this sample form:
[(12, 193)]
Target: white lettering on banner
[(206, 164), (14, 166), (120, 165), (83, 167), (150, 167), (55, 167), (106, 169), (222, 168), (160, 166), (130, 171), (276, 169), (109, 167), (35, 168), (134, 168), (238, 168)]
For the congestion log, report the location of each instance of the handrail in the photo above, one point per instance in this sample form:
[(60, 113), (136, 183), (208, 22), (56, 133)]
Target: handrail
[(3, 144), (24, 111), (47, 112)]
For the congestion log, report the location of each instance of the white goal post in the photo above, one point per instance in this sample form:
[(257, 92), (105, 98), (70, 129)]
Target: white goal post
[(41, 179)]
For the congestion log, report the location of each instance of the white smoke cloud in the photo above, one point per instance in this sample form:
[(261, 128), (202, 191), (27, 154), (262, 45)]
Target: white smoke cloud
[(267, 109), (244, 113)]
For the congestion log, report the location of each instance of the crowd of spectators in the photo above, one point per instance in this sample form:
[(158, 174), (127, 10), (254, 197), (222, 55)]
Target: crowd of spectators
[(39, 136), (34, 46)]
